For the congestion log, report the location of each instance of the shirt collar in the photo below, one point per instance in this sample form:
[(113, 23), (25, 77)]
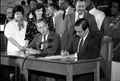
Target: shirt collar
[(67, 9), (76, 15), (90, 11), (85, 36)]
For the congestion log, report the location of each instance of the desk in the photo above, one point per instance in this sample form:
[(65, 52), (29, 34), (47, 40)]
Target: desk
[(68, 67)]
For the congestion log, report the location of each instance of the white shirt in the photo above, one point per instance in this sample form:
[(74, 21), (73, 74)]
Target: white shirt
[(99, 16), (77, 15), (83, 41), (46, 37), (12, 30)]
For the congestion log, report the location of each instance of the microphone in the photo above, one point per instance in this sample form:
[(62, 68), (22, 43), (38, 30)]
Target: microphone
[(50, 40)]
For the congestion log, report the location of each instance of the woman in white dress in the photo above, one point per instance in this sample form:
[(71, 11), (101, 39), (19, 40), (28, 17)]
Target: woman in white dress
[(15, 30)]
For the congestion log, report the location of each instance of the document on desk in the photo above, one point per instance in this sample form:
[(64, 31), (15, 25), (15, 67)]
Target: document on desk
[(58, 57)]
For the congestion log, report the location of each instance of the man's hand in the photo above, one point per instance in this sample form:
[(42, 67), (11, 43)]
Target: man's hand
[(31, 51), (64, 53)]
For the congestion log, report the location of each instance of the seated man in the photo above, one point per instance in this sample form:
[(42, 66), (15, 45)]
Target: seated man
[(85, 45), (45, 42), (91, 41)]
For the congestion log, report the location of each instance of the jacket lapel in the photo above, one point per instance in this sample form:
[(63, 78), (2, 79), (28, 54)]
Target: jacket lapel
[(86, 42)]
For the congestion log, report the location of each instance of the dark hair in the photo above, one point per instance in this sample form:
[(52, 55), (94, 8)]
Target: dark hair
[(23, 2), (28, 1), (107, 12), (40, 20), (39, 6), (17, 8), (83, 22), (55, 6)]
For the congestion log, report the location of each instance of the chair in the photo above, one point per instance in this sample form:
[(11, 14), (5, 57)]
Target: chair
[(106, 54)]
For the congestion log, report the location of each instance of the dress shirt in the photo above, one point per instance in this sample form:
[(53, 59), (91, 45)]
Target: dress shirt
[(99, 16), (77, 16), (82, 42), (43, 39)]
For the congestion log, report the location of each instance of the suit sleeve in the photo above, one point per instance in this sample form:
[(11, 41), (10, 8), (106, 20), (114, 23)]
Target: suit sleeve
[(93, 49), (33, 43), (93, 24), (55, 46)]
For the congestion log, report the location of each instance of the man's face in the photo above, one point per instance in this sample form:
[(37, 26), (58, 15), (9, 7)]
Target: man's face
[(9, 12), (42, 27), (80, 7), (62, 4), (51, 9), (32, 4), (79, 31)]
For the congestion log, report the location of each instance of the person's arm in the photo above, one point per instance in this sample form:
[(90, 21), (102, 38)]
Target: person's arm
[(55, 46), (92, 51), (14, 42), (116, 47)]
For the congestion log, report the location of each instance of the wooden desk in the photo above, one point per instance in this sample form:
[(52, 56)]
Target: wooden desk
[(67, 67)]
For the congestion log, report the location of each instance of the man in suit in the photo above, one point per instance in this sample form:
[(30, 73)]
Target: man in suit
[(65, 7), (54, 10), (79, 13), (45, 42), (9, 12), (99, 15), (60, 22), (85, 45)]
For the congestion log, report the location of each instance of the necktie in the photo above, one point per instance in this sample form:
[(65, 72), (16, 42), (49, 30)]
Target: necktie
[(64, 14), (79, 49), (44, 41)]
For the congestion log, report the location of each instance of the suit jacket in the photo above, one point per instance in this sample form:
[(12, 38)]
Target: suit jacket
[(70, 19), (91, 47), (50, 48), (61, 27)]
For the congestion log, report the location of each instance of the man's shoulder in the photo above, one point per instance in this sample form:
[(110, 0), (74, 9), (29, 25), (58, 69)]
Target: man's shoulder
[(96, 35), (54, 34)]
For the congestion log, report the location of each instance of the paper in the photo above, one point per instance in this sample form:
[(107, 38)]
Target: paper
[(58, 57)]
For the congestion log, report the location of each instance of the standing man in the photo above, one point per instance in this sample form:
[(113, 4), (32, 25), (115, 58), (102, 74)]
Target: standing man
[(99, 15), (65, 7), (54, 10), (80, 12), (9, 12), (61, 23)]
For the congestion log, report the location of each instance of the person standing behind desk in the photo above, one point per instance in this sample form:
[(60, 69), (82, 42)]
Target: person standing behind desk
[(99, 15), (85, 45), (80, 12), (15, 30), (60, 22), (31, 31), (111, 29), (9, 12), (32, 4), (54, 10)]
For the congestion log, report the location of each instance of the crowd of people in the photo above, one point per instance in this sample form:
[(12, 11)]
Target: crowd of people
[(73, 29)]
